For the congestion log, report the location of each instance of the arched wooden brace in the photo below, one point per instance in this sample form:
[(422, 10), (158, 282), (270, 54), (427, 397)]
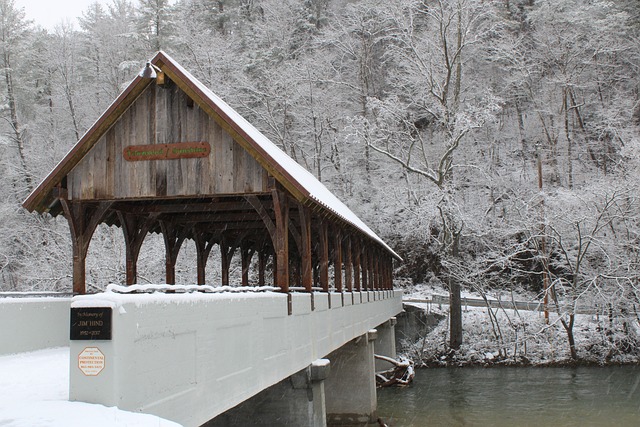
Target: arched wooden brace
[(173, 236), (83, 220), (204, 245), (279, 233), (135, 229)]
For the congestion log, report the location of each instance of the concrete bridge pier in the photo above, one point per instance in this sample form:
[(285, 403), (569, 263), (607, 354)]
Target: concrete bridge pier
[(295, 401), (386, 344), (351, 388)]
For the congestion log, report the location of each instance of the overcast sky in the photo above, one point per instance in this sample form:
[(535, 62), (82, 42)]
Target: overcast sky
[(48, 13)]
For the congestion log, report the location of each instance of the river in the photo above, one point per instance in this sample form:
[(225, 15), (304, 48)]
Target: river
[(502, 396)]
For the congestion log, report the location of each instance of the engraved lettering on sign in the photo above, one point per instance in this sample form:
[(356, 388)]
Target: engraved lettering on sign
[(179, 150), (90, 323)]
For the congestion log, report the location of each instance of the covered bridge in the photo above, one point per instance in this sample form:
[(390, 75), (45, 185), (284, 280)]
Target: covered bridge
[(170, 157)]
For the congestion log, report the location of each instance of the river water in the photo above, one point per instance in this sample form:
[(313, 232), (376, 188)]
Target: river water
[(501, 396)]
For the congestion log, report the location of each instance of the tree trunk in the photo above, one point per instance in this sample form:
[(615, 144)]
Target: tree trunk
[(455, 315), (455, 303), (567, 133), (15, 124), (572, 342)]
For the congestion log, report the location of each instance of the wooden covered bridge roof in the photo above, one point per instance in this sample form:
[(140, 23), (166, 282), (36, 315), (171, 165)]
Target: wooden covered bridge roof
[(169, 156)]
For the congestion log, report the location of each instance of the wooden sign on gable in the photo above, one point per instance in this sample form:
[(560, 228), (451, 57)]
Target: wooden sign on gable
[(179, 150)]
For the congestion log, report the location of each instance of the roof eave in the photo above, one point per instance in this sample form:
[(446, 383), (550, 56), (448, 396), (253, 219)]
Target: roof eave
[(42, 196)]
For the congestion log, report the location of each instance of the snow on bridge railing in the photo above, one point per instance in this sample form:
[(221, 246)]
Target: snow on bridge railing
[(36, 294), (178, 289)]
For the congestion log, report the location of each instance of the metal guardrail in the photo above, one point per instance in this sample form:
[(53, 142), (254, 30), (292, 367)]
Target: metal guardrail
[(493, 303)]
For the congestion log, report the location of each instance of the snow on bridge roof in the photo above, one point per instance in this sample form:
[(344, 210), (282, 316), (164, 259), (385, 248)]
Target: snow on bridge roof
[(298, 175), (300, 182)]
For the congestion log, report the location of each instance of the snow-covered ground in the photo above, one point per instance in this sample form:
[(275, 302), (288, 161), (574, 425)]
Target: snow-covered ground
[(523, 337), (34, 388)]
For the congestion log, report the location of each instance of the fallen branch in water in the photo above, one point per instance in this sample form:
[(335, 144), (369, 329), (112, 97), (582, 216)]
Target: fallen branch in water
[(400, 375)]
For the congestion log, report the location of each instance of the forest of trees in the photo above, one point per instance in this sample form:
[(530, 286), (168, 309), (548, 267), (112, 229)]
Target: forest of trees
[(492, 143)]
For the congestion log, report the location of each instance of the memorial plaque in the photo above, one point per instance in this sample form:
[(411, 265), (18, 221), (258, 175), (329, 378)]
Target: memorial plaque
[(90, 323)]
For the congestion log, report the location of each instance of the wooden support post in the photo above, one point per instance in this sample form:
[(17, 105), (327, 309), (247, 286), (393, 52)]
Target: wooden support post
[(365, 269), (262, 265), (279, 233), (372, 273), (83, 220), (226, 254), (324, 256), (135, 229), (356, 264), (203, 250), (348, 267), (274, 268), (281, 243), (246, 254), (385, 273), (305, 251), (376, 267), (295, 271), (173, 239), (337, 261)]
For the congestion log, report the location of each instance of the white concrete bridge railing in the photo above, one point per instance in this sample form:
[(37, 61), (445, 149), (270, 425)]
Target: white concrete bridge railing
[(190, 357), (32, 322)]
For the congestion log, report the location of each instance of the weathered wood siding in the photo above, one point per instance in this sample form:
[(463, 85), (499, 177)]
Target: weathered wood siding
[(163, 116)]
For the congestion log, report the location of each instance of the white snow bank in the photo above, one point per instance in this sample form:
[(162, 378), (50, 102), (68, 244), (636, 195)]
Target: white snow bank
[(74, 414), (35, 387)]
